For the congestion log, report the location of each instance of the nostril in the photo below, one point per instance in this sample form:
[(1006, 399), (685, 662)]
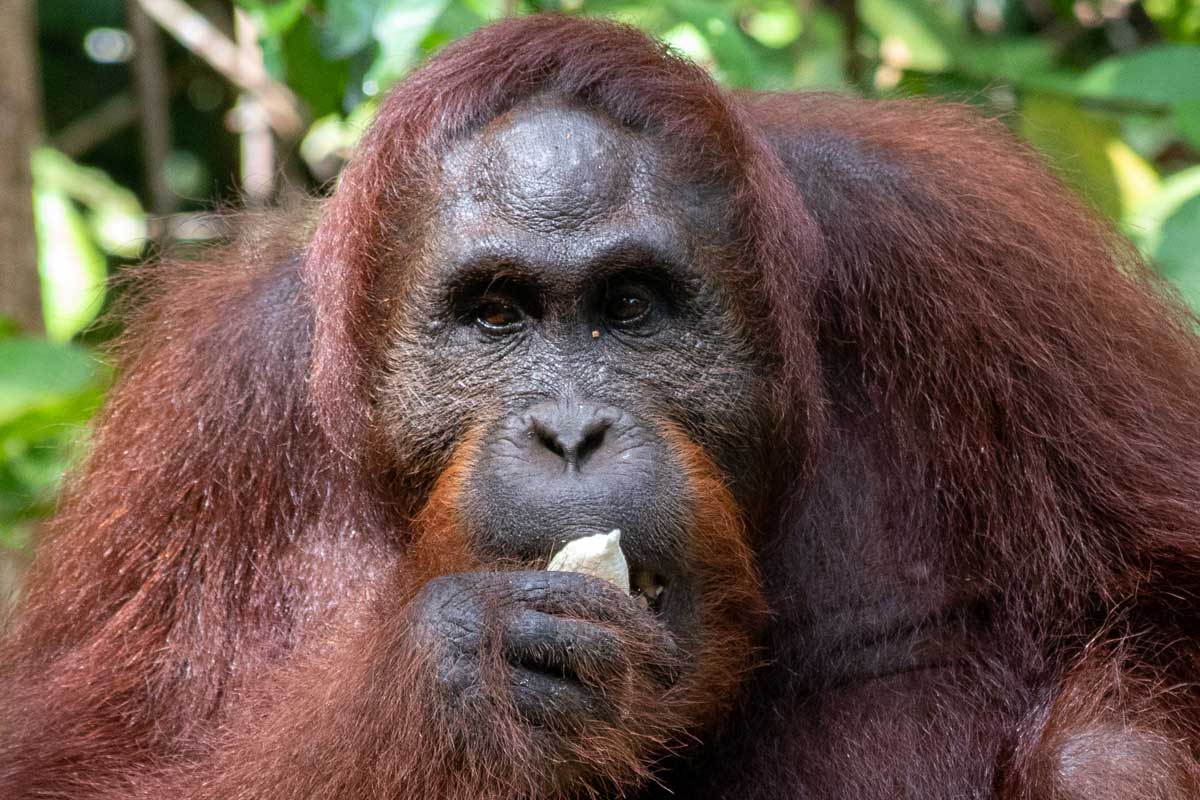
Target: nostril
[(568, 437), (551, 443), (593, 438)]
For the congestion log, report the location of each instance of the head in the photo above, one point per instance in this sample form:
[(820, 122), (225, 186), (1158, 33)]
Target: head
[(563, 310), (556, 286)]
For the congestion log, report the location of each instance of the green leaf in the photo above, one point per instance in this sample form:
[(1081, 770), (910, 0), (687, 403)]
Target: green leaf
[(1187, 119), (72, 269), (1176, 190), (347, 27), (13, 536), (686, 39), (709, 34), (1012, 59), (775, 25), (48, 392), (114, 215), (36, 375), (333, 137), (33, 460), (1167, 229), (399, 28), (1177, 249), (821, 60), (912, 31), (653, 18), (483, 9), (1178, 20), (319, 81), (36, 452), (1088, 151), (274, 17), (1162, 75), (458, 20)]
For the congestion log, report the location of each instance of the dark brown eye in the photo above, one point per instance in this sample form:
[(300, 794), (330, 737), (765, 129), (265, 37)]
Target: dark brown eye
[(627, 306), (497, 315)]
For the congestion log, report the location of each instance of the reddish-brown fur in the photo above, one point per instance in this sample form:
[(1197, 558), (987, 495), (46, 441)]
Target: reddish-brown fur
[(208, 611)]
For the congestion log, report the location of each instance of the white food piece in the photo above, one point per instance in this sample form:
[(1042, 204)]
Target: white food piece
[(599, 555)]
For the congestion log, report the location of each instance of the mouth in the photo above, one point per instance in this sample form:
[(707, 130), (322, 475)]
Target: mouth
[(600, 555), (647, 589)]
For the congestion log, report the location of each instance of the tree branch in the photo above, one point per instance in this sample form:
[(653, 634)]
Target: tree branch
[(150, 81), (20, 120), (197, 34)]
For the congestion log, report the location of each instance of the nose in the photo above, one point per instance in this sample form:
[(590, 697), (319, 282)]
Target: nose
[(571, 432)]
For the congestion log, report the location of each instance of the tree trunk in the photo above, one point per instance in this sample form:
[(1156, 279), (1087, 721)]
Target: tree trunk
[(19, 123)]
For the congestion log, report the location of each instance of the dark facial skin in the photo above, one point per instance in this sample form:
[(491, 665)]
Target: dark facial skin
[(566, 311)]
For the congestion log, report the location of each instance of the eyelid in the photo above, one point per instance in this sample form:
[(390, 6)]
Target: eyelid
[(486, 272)]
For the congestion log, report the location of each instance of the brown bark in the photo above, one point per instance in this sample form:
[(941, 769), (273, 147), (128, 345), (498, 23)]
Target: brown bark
[(150, 79), (19, 123)]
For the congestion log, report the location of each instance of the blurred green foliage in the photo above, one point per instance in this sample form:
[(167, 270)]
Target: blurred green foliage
[(1108, 90), (48, 391)]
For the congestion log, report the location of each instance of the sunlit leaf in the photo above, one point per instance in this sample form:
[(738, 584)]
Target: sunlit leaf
[(919, 38), (48, 392), (653, 18), (116, 218), (458, 20), (776, 25), (332, 138), (71, 267), (1087, 150), (1178, 20), (687, 39), (1136, 180), (12, 536), (34, 455), (273, 17), (1167, 228), (484, 9), (399, 27)]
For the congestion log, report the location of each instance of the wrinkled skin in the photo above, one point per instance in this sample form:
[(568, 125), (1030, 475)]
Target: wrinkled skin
[(561, 638)]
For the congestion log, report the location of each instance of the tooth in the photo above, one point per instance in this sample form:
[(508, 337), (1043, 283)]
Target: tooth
[(647, 585), (599, 555)]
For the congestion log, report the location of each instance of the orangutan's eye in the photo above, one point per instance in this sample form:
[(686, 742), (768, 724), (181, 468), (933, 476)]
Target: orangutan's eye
[(628, 305), (498, 315)]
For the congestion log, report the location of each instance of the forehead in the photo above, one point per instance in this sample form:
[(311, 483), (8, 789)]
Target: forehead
[(546, 165), (559, 179)]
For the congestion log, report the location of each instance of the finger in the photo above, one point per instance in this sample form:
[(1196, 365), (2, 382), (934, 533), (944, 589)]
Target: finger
[(562, 646), (571, 594)]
